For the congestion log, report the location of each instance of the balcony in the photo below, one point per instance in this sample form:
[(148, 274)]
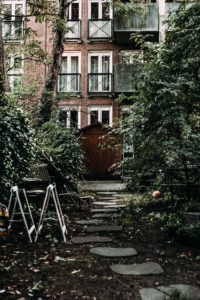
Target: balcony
[(125, 77), (145, 21), (100, 84), (100, 29), (13, 30), (74, 30), (69, 83)]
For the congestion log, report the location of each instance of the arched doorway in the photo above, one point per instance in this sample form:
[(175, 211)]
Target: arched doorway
[(100, 150)]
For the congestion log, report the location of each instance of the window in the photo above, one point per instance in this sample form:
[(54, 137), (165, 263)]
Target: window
[(100, 15), (71, 117), (13, 11), (130, 56), (69, 77), (73, 23), (99, 9), (100, 72), (14, 66), (101, 114)]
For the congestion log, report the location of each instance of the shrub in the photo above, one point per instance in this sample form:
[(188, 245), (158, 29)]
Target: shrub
[(64, 148), (16, 147)]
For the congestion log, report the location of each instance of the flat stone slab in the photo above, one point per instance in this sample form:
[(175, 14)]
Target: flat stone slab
[(108, 228), (116, 206), (106, 215), (113, 252), (90, 239), (87, 222), (102, 203), (147, 268), (102, 210), (184, 291)]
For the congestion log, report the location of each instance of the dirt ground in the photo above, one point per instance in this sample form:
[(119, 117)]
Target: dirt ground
[(51, 269)]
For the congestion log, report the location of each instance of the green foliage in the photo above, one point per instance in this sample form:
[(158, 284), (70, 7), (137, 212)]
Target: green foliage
[(164, 125), (16, 147), (63, 147)]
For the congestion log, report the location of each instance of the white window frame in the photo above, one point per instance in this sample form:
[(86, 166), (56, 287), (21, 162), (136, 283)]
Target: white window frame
[(14, 73), (100, 109), (80, 9), (68, 109), (13, 3), (128, 56), (100, 55), (70, 54), (100, 2)]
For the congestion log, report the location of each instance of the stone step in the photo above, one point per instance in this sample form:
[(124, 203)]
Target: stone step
[(113, 252), (147, 268), (108, 228), (90, 239)]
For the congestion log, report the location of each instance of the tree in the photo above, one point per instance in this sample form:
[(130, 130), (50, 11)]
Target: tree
[(166, 113)]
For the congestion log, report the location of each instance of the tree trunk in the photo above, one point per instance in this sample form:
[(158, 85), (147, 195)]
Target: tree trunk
[(53, 70)]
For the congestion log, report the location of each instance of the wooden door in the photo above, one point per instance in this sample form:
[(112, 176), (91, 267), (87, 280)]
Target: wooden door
[(98, 159)]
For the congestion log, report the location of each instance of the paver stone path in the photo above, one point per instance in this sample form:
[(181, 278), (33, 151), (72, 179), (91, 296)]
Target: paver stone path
[(113, 252), (108, 228), (90, 239), (107, 215), (164, 292), (102, 210), (147, 268), (87, 222)]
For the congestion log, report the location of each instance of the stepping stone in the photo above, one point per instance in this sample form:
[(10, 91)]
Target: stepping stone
[(102, 210), (107, 198), (87, 222), (113, 252), (160, 292), (116, 206), (106, 215), (108, 228), (102, 203), (90, 239), (148, 268)]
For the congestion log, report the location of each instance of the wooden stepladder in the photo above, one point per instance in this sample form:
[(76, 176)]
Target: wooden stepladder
[(51, 194), (19, 205)]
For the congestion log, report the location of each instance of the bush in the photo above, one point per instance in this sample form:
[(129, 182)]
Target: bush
[(16, 147), (64, 148)]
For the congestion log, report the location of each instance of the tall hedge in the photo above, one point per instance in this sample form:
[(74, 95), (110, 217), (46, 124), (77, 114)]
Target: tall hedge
[(16, 147)]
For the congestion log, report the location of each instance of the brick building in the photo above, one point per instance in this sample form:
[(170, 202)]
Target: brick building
[(98, 58)]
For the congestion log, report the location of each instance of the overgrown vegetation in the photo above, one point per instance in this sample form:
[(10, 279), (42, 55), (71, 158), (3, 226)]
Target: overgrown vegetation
[(16, 146), (64, 148), (164, 123)]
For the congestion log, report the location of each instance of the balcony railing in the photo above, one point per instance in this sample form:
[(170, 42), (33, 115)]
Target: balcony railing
[(145, 20), (13, 30), (125, 77), (74, 29), (69, 83), (100, 83), (100, 29)]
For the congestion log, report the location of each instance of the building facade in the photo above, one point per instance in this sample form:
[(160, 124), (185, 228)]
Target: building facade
[(98, 57)]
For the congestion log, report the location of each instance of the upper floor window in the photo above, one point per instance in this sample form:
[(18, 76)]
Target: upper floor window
[(101, 114), (73, 23), (14, 68), (130, 56), (100, 72), (13, 11), (100, 23), (69, 77), (99, 9)]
